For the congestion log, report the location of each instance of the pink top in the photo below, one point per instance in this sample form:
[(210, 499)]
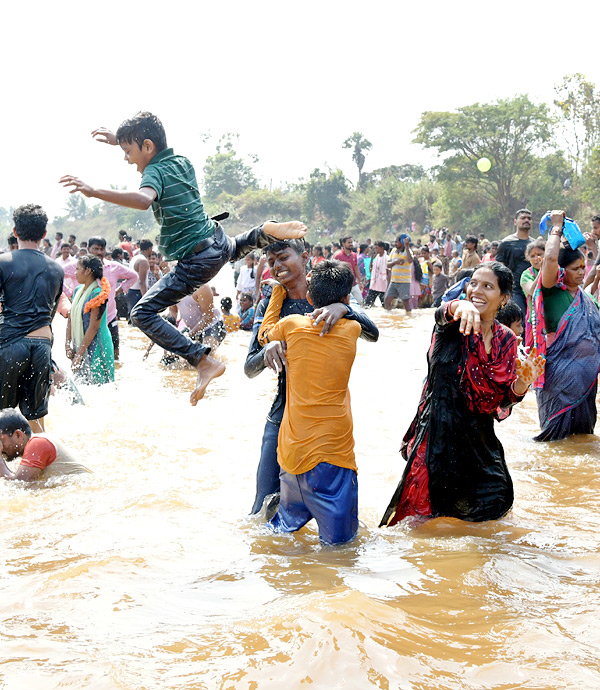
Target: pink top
[(379, 273), (69, 267), (350, 259), (113, 272)]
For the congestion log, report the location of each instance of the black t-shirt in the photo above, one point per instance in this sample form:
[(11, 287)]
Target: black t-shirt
[(30, 287), (511, 253)]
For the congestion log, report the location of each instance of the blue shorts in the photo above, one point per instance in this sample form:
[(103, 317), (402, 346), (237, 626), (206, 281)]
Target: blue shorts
[(327, 493)]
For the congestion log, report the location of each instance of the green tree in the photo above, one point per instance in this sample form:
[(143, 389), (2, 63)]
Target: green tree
[(512, 133), (226, 172), (360, 146), (76, 207), (326, 200), (579, 105)]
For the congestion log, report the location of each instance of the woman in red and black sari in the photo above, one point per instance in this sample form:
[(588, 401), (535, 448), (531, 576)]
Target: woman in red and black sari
[(455, 464)]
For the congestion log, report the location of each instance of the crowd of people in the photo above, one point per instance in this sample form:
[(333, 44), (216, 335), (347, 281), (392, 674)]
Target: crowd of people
[(303, 307)]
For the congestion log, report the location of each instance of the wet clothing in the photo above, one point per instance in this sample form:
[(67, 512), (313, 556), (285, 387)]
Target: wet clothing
[(188, 275), (455, 464), (327, 493), (317, 421), (51, 456), (178, 208), (566, 393), (98, 362), (30, 286), (511, 253), (25, 376), (268, 468)]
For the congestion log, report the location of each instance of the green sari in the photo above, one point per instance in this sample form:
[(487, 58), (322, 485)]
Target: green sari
[(98, 362)]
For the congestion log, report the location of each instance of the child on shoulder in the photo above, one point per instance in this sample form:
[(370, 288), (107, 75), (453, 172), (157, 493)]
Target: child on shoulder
[(187, 234), (316, 443)]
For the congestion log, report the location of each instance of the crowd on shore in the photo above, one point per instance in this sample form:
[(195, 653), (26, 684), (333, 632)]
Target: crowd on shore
[(303, 306)]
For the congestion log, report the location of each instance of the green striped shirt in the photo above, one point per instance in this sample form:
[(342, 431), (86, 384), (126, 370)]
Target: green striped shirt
[(177, 208)]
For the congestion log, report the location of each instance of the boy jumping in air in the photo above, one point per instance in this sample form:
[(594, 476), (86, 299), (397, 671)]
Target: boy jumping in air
[(187, 234), (316, 443)]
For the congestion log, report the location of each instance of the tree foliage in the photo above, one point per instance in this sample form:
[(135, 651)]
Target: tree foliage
[(326, 199), (225, 172), (360, 145)]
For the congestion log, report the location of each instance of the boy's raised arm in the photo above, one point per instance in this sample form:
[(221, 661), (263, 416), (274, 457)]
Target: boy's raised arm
[(140, 200), (105, 136)]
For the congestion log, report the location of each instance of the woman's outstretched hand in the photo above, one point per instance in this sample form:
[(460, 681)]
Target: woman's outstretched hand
[(468, 315), (528, 371)]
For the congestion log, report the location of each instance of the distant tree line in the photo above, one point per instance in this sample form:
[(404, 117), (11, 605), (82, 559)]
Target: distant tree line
[(542, 156)]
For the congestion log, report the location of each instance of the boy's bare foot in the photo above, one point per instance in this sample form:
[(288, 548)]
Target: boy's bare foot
[(293, 230), (208, 369)]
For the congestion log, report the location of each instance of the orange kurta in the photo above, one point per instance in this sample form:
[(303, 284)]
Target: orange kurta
[(317, 422)]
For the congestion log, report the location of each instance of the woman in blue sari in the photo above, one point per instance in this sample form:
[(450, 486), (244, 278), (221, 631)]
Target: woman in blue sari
[(566, 326)]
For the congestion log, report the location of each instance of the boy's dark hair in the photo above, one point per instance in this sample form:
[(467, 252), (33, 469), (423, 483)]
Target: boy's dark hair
[(363, 247), (380, 243), (522, 211), (595, 219), (30, 222), (116, 253), (140, 127), (65, 244), (509, 313), (226, 303), (247, 295), (471, 238), (12, 240), (145, 244), (100, 241), (73, 236), (330, 282), (11, 421), (83, 243), (59, 234), (299, 246), (344, 238)]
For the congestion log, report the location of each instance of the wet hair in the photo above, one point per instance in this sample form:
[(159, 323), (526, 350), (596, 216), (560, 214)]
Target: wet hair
[(11, 421), (540, 243), (503, 274), (521, 212), (330, 282), (145, 244), (509, 313), (100, 241), (140, 127), (94, 264), (116, 253), (471, 238), (567, 256), (299, 246), (30, 222), (226, 303)]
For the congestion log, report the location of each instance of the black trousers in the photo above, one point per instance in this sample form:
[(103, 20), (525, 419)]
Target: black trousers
[(190, 273)]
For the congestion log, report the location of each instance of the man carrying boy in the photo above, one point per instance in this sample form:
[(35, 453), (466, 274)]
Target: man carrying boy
[(31, 284), (316, 444), (287, 263), (187, 234)]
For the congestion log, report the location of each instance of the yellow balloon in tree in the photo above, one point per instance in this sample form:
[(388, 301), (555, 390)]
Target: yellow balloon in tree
[(484, 164)]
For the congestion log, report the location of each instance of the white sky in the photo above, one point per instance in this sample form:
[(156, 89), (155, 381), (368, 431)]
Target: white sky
[(293, 79)]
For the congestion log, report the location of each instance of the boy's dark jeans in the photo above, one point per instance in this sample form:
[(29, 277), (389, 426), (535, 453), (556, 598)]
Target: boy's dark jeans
[(189, 274)]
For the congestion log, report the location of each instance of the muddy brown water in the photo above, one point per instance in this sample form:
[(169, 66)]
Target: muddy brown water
[(150, 574)]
